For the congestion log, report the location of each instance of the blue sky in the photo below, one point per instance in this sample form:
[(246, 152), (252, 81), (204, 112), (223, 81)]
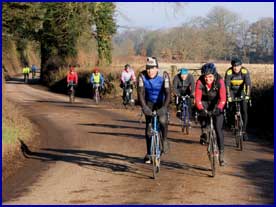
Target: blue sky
[(159, 15)]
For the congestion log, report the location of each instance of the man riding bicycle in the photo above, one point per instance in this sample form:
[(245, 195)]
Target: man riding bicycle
[(127, 77), (154, 94), (184, 84), (72, 77), (210, 96), (238, 84), (97, 79)]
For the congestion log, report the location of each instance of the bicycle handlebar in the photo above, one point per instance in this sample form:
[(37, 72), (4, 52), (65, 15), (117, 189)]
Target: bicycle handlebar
[(239, 100), (184, 97)]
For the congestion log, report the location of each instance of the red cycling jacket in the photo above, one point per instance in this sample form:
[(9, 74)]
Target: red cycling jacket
[(214, 94), (72, 76)]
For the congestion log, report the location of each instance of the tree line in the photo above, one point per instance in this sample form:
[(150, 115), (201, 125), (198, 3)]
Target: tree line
[(219, 36), (57, 27)]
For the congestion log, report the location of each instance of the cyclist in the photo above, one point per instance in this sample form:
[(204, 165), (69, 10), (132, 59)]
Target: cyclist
[(154, 94), (184, 84), (238, 84), (210, 95), (127, 76), (26, 72), (72, 76), (97, 78), (33, 69)]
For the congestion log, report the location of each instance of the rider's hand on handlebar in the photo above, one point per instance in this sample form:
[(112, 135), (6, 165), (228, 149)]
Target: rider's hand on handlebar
[(203, 113), (247, 98), (147, 111), (217, 111), (229, 99)]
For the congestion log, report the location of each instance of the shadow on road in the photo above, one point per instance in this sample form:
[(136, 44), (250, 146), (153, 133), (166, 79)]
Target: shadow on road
[(20, 80), (260, 173), (108, 161), (135, 136), (112, 126)]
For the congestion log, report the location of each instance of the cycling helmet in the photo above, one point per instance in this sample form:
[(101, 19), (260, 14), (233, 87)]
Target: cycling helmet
[(208, 68), (127, 66), (96, 70), (151, 62), (183, 71), (236, 62)]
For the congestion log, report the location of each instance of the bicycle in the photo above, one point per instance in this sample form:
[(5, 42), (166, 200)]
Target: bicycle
[(96, 93), (212, 148), (156, 146), (128, 95), (238, 124), (185, 115), (33, 74), (71, 91)]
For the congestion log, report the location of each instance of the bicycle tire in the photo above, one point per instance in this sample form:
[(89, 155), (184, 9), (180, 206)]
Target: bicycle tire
[(240, 134), (187, 129), (182, 121), (71, 96), (153, 157), (236, 132), (187, 121), (97, 98), (211, 154)]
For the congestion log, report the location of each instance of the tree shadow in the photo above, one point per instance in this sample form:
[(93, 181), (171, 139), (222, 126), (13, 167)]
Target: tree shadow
[(260, 173)]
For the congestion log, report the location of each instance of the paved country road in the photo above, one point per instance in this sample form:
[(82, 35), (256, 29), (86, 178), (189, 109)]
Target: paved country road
[(93, 154)]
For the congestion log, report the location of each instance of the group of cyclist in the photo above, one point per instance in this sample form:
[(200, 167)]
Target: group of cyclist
[(27, 70), (209, 93)]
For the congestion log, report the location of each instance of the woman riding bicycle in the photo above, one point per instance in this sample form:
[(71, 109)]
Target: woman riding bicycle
[(72, 76), (154, 94), (210, 96), (184, 84)]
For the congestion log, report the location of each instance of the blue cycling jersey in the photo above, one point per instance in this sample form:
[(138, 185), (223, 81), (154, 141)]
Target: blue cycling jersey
[(154, 89)]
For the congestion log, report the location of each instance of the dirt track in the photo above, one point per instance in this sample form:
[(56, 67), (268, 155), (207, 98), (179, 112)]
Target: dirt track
[(92, 154)]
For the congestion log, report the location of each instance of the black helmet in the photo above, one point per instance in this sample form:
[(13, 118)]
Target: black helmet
[(236, 62), (208, 68), (127, 66)]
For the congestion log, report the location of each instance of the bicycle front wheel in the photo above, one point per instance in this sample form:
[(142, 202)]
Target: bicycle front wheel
[(153, 157), (97, 97), (211, 155), (240, 134)]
